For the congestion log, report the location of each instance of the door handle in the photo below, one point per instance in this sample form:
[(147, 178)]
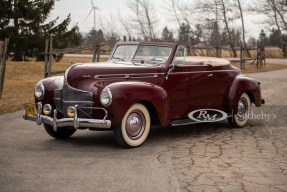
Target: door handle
[(210, 75)]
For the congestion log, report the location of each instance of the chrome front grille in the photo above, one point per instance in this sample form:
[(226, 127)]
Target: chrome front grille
[(68, 96)]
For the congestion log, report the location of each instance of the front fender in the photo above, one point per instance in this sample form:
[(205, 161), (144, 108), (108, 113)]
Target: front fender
[(243, 84), (125, 94), (50, 84)]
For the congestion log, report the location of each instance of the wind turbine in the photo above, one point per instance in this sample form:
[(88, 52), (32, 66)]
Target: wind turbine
[(94, 8)]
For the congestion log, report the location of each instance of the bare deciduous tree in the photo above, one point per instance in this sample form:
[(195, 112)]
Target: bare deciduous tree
[(242, 21), (275, 12), (145, 17), (125, 24), (224, 12), (172, 8), (279, 9), (199, 12), (110, 30)]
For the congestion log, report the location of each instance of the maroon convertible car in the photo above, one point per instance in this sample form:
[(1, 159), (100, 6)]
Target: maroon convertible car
[(143, 84)]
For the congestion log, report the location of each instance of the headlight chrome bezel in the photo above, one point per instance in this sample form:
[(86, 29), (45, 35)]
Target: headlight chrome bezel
[(39, 90), (47, 109), (106, 97)]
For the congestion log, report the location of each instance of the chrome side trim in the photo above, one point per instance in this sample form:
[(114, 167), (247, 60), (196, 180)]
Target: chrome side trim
[(125, 76), (194, 72)]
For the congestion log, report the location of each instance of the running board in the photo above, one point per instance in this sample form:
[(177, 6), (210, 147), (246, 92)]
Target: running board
[(183, 122)]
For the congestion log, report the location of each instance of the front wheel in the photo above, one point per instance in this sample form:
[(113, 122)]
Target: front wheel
[(134, 128), (62, 132), (241, 118)]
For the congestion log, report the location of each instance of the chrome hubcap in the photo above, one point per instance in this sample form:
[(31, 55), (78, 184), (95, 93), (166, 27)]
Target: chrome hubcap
[(135, 124), (242, 109)]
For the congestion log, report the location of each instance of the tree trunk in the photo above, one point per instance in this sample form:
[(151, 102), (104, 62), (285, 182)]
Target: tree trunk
[(231, 43), (142, 29), (18, 55), (281, 15), (243, 27), (175, 13)]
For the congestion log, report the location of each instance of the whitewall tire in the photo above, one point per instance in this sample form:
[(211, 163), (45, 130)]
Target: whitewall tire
[(134, 128), (240, 119)]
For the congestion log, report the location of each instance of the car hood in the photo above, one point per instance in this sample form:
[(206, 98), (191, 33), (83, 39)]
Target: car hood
[(109, 71)]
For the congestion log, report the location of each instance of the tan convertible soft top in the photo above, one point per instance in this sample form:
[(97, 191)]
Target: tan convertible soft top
[(213, 61)]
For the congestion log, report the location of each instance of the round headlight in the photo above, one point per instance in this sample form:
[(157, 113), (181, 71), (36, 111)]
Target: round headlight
[(39, 90), (106, 97)]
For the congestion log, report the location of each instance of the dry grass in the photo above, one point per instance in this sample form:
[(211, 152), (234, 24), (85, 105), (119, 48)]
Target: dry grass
[(21, 78), (270, 52), (253, 68)]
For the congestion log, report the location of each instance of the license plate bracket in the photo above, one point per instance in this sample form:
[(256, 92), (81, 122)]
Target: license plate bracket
[(30, 110)]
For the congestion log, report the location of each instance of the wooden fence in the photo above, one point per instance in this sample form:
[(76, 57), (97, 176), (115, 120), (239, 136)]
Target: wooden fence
[(259, 59), (244, 53), (51, 54), (3, 58)]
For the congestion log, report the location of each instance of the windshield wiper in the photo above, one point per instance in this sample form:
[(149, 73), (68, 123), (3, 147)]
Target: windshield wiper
[(154, 59), (121, 59), (142, 63)]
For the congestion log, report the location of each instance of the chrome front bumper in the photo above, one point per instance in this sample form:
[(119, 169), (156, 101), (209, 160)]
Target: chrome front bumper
[(75, 122)]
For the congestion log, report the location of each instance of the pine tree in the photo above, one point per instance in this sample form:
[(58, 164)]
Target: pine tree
[(95, 37), (28, 27), (5, 10), (214, 36), (274, 38), (197, 34), (184, 33), (167, 35)]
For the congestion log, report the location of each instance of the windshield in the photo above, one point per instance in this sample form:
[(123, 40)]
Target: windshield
[(142, 53), (125, 52)]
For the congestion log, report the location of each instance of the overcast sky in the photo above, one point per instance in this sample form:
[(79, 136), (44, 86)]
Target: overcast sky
[(80, 9)]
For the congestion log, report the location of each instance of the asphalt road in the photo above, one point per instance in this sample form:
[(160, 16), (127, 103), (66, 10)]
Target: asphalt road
[(277, 61), (207, 157)]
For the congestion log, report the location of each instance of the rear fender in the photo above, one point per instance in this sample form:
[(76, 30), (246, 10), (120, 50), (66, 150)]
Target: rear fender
[(243, 84)]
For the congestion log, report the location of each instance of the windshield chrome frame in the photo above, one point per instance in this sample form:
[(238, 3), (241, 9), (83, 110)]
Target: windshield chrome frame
[(184, 55), (141, 44)]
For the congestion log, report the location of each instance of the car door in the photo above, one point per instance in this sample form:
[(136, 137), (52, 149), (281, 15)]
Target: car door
[(189, 88), (193, 87)]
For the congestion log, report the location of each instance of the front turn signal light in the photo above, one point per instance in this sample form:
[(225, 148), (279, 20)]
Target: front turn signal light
[(71, 111), (47, 109)]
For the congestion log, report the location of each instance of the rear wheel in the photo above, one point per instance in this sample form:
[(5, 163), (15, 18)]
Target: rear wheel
[(134, 128), (244, 107), (62, 132)]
